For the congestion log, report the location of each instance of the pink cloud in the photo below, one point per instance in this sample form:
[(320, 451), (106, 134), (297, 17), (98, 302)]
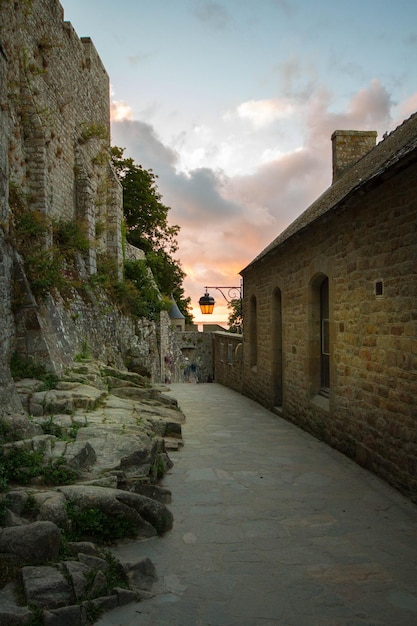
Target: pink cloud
[(227, 220)]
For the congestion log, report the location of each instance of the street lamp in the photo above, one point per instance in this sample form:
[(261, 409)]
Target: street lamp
[(207, 301)]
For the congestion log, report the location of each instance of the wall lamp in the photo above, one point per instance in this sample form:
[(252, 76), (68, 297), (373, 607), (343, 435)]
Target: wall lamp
[(207, 301)]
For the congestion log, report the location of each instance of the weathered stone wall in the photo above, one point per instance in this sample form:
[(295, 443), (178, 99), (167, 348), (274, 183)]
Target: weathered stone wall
[(54, 100), (194, 361), (366, 246), (55, 151), (227, 359)]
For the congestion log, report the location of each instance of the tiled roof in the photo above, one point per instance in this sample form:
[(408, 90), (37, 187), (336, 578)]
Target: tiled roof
[(397, 145)]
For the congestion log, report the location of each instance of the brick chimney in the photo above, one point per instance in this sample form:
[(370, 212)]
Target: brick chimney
[(348, 147)]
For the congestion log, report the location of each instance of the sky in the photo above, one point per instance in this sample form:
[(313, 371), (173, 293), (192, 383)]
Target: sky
[(232, 104)]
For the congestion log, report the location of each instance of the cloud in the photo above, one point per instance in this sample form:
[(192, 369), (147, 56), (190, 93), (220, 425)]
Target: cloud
[(143, 145), (120, 111), (264, 112), (213, 14), (407, 108), (226, 220)]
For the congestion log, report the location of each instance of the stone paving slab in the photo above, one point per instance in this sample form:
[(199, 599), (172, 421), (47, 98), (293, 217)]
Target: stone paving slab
[(273, 527)]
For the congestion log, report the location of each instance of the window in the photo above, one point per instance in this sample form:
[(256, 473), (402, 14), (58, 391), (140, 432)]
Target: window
[(230, 354), (277, 347), (253, 333), (319, 337), (379, 288), (324, 338)]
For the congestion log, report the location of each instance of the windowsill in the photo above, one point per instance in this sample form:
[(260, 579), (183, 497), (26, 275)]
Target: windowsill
[(321, 402), (277, 410)]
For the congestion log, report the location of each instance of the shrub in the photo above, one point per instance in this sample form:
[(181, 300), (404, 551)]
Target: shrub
[(92, 522), (25, 367)]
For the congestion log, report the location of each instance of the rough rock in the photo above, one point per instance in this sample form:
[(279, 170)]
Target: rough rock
[(94, 562), (51, 506), (145, 514), (161, 494), (80, 455), (31, 544), (10, 613), (78, 574), (66, 616), (120, 454), (82, 547), (46, 587), (98, 588), (141, 574)]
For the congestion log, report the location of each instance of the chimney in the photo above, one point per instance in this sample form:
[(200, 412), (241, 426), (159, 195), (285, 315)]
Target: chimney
[(348, 147)]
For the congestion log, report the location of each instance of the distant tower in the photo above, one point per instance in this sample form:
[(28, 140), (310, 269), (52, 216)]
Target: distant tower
[(176, 317)]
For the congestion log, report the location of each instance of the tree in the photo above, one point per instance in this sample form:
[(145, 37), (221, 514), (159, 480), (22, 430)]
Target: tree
[(145, 215), (147, 225), (235, 319)]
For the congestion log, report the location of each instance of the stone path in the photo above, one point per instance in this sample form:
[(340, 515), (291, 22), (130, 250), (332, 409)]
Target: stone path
[(272, 527)]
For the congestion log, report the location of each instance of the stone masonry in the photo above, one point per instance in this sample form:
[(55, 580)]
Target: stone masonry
[(360, 237), (55, 153)]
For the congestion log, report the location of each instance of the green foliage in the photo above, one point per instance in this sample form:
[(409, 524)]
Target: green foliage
[(71, 236), (93, 612), (50, 428), (58, 473), (33, 233), (139, 286), (115, 574), (4, 501), (20, 465), (84, 354), (91, 131), (92, 522), (235, 319), (25, 367), (44, 271), (169, 277), (145, 214), (148, 228), (37, 617), (5, 431)]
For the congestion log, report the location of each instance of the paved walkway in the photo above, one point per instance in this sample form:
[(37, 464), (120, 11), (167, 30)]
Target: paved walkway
[(273, 527)]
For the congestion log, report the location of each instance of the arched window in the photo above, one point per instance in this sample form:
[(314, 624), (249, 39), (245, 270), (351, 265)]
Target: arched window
[(277, 347), (319, 341), (324, 338), (253, 332)]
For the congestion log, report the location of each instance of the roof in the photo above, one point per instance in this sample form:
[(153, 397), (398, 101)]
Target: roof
[(174, 312), (400, 143)]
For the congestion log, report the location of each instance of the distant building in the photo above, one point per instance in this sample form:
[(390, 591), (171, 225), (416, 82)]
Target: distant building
[(330, 309), (176, 317)]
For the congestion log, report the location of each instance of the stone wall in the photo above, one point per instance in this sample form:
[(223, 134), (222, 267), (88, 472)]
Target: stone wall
[(55, 152), (194, 357), (54, 99), (228, 359), (368, 251)]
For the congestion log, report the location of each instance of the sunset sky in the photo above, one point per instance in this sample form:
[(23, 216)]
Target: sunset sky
[(232, 104)]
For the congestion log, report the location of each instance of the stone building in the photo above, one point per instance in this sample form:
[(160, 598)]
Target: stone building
[(330, 309), (55, 163)]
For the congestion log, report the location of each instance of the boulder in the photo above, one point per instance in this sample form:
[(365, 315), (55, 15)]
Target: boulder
[(141, 574), (78, 574), (51, 506), (12, 614), (31, 544), (80, 455), (145, 514), (46, 587), (66, 616)]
